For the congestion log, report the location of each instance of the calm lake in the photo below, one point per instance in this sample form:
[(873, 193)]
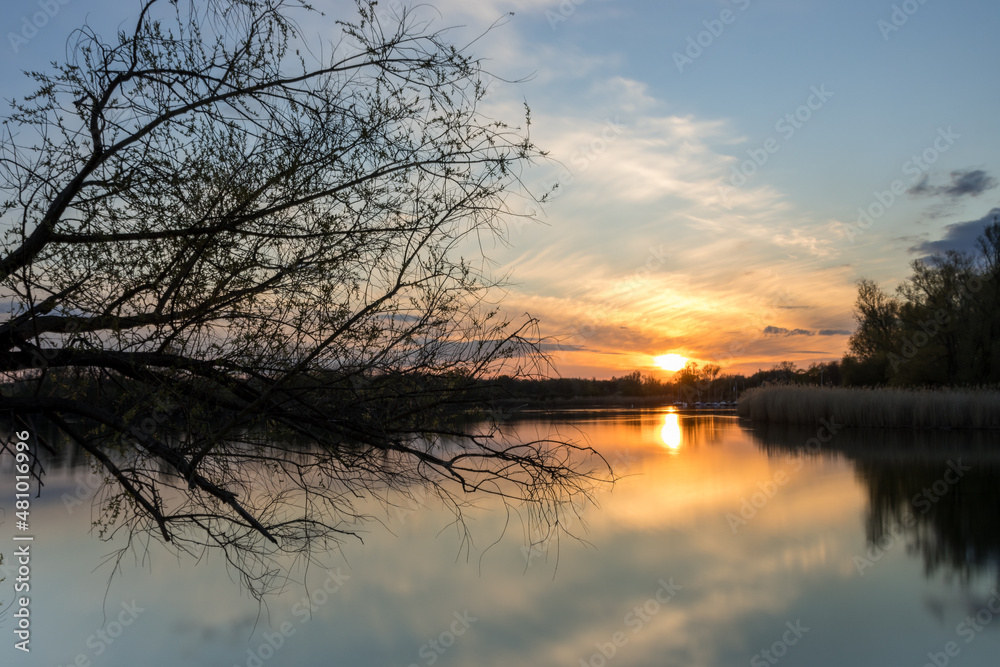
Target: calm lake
[(722, 545)]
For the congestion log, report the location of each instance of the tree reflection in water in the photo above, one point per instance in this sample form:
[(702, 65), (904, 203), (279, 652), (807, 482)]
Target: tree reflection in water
[(938, 492)]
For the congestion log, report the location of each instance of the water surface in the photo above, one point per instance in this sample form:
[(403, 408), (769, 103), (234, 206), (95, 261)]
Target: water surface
[(722, 545)]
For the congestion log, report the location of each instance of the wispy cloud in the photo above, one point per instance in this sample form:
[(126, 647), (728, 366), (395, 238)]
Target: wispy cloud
[(961, 183), (781, 331)]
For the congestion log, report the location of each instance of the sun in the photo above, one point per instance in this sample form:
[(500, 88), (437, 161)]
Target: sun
[(670, 362)]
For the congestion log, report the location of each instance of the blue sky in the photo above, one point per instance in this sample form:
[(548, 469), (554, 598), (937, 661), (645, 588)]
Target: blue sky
[(654, 113)]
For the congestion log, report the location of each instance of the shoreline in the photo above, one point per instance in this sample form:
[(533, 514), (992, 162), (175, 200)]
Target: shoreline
[(925, 409)]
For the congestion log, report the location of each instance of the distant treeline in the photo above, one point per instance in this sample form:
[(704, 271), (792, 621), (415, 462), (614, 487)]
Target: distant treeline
[(691, 384), (940, 328), (373, 396)]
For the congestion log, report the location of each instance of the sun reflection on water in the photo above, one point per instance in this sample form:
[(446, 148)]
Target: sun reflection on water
[(670, 433)]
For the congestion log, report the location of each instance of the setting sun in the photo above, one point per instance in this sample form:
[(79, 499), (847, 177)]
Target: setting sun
[(670, 362)]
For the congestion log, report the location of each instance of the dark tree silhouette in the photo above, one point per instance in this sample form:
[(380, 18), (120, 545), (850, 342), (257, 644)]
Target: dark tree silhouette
[(235, 275), (942, 326)]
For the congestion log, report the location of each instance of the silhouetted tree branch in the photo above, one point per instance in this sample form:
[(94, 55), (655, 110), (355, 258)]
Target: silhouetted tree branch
[(236, 279)]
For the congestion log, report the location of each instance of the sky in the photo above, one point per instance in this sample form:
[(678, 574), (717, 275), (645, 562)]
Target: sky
[(726, 171)]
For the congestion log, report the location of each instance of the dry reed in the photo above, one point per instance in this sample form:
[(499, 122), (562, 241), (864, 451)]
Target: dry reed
[(880, 408)]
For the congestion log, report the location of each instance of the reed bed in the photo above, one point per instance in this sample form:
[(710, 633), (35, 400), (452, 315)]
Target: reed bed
[(876, 408)]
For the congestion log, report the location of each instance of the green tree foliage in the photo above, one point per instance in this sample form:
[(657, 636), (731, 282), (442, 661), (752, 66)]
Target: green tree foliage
[(877, 314), (940, 328)]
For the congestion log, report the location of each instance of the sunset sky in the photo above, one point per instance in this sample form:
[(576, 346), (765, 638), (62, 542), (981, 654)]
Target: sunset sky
[(712, 158)]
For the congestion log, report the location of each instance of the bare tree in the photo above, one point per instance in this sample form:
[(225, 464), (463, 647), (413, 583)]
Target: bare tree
[(234, 275)]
